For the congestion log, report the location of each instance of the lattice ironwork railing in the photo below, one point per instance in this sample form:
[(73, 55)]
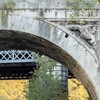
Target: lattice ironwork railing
[(16, 56)]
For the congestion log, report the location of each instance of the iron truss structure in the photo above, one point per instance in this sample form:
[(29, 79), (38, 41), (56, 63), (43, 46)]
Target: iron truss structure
[(17, 64), (16, 56)]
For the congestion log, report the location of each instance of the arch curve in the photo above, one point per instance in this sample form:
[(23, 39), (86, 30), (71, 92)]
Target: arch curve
[(40, 36)]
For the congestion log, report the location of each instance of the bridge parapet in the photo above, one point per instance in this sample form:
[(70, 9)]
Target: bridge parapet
[(51, 10)]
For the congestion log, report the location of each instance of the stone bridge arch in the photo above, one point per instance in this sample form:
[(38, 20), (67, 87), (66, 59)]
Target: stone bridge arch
[(55, 41)]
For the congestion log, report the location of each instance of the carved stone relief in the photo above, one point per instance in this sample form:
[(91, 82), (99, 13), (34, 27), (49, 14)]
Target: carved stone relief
[(87, 32)]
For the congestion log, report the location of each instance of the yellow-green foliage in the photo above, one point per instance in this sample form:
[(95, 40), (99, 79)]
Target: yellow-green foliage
[(76, 90), (12, 90)]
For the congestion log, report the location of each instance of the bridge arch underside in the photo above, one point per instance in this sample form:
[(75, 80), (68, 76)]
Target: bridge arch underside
[(10, 40)]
